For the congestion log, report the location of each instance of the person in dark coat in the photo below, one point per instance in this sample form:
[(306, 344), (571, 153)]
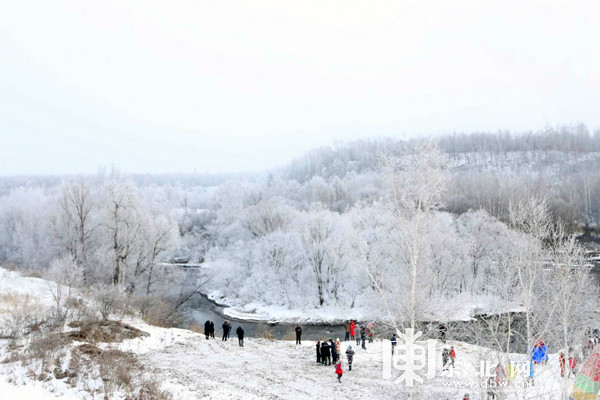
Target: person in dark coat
[(443, 329), (318, 351), (363, 336), (207, 329), (212, 329), (350, 357), (394, 341), (298, 334), (334, 355), (325, 353), (226, 328), (445, 359), (240, 335)]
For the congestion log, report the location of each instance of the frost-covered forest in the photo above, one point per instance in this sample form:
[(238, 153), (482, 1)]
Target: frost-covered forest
[(320, 231)]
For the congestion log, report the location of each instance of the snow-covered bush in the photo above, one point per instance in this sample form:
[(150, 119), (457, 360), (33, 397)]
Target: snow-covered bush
[(20, 314), (111, 301)]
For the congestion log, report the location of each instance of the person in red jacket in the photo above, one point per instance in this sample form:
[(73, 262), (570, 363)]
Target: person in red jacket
[(452, 355), (352, 329), (572, 365), (338, 370), (561, 361)]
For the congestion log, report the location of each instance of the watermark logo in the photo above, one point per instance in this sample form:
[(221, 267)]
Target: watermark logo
[(411, 357), (416, 361)]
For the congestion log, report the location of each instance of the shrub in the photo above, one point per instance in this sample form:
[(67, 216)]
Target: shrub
[(48, 348), (157, 311), (150, 390), (112, 301), (20, 314)]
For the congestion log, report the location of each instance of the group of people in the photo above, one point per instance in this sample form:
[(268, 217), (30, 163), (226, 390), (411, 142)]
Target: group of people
[(359, 332), (448, 357), (573, 361), (209, 331), (330, 351)]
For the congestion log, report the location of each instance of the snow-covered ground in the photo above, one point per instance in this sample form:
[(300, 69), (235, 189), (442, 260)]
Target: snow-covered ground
[(191, 367), (459, 308), (10, 391), (13, 282)]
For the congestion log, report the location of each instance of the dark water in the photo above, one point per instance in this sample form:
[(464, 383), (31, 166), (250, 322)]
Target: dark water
[(596, 273), (201, 308)]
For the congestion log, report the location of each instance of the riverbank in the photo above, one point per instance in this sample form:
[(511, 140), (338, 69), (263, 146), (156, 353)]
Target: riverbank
[(186, 366), (461, 308)]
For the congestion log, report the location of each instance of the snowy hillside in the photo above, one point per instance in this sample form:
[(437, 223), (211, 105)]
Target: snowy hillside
[(188, 366)]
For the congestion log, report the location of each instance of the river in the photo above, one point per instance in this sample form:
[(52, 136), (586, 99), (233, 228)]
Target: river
[(201, 308)]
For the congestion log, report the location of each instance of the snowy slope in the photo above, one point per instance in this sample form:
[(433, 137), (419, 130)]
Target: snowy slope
[(191, 367), (9, 391)]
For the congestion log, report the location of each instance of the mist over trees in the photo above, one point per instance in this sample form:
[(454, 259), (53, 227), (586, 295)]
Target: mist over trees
[(327, 230)]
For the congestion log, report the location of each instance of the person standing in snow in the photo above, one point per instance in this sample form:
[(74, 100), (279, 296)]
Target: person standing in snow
[(325, 353), (240, 335), (572, 364), (338, 347), (334, 353), (445, 357), (561, 361), (466, 396), (363, 336), (500, 375), (212, 329), (207, 329), (338, 370), (452, 355), (370, 331), (531, 373), (358, 328), (347, 328), (226, 328), (443, 329), (318, 352), (350, 357), (394, 341), (352, 329), (298, 334)]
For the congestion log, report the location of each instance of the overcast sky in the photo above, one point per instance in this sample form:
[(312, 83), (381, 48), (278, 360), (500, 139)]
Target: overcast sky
[(178, 86)]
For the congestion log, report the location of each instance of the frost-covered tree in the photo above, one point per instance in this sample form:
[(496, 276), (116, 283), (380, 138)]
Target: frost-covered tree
[(120, 228), (573, 295), (75, 225), (157, 234), (316, 237), (26, 237), (416, 184), (531, 218)]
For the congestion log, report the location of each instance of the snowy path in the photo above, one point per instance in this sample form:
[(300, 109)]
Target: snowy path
[(198, 368), (193, 368)]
